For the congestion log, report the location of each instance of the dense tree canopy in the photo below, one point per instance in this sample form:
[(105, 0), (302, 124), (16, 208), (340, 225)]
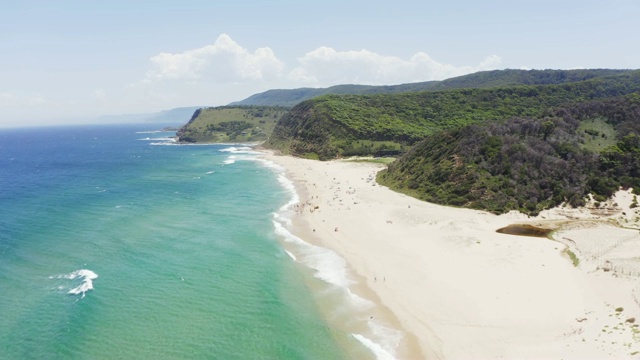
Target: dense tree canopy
[(341, 125), (526, 164)]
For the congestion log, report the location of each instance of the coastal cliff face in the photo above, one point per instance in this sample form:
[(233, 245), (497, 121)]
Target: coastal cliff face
[(311, 130), (231, 124)]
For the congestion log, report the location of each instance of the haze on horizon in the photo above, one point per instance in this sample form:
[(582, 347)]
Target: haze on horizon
[(71, 61)]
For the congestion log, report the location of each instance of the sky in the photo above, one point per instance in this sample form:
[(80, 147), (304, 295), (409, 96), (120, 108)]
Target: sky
[(70, 61)]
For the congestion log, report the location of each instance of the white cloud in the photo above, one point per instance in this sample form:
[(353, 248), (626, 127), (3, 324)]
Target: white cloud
[(224, 61), (326, 66), (224, 71)]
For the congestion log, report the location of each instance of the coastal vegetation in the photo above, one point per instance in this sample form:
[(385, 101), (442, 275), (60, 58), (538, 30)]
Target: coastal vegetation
[(333, 126), (230, 124), (527, 163), (574, 259), (505, 140)]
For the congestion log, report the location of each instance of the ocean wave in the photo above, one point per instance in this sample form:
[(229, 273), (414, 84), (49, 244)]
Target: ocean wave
[(176, 143), (150, 132), (240, 150), (328, 265), (332, 268), (84, 275), (231, 159), (391, 337), (286, 220), (172, 139), (270, 164), (293, 257), (181, 144), (378, 350), (289, 187), (164, 143)]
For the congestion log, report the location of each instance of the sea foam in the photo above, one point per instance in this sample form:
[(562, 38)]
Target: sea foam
[(171, 139), (288, 185), (85, 275), (390, 340), (149, 132), (332, 268), (240, 153), (164, 143), (328, 265), (380, 352), (240, 150)]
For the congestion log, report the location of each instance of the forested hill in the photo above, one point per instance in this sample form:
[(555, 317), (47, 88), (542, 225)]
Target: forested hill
[(343, 125), (484, 79), (527, 164), (231, 124)]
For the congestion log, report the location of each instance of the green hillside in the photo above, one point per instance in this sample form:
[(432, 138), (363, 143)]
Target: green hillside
[(484, 79), (231, 124), (527, 163), (332, 126)]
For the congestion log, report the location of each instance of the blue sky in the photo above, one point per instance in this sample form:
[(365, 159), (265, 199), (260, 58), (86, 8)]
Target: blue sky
[(65, 61)]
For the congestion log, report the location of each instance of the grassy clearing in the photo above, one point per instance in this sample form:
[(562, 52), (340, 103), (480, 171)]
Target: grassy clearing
[(598, 134)]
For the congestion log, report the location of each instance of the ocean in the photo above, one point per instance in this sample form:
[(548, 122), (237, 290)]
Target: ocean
[(116, 243)]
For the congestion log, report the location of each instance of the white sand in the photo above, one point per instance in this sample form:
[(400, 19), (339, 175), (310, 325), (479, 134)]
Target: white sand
[(465, 291)]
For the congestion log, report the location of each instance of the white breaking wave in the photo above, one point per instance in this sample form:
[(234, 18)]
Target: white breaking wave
[(86, 276), (270, 164), (166, 143), (240, 153), (328, 265), (288, 185), (293, 257), (171, 139), (377, 349), (240, 150), (391, 339), (150, 132)]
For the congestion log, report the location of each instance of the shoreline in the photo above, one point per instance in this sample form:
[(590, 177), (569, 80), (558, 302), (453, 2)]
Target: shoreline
[(347, 304), (457, 289)]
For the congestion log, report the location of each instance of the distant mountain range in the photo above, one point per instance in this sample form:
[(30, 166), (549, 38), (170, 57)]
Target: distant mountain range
[(484, 79)]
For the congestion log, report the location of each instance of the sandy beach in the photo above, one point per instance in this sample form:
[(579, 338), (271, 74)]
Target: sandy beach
[(456, 289)]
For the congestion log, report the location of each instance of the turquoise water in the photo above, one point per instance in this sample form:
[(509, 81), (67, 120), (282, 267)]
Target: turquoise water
[(114, 246)]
